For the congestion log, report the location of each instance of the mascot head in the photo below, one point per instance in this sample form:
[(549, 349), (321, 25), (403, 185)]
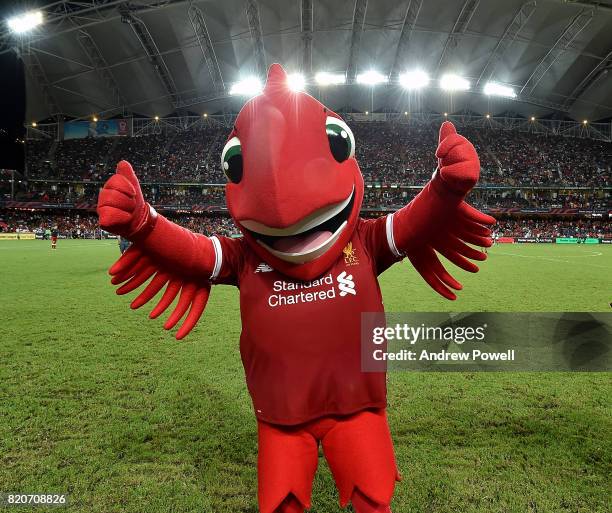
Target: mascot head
[(294, 187)]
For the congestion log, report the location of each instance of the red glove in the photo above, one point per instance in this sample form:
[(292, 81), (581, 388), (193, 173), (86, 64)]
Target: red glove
[(121, 206), (439, 219), (458, 162), (174, 256)]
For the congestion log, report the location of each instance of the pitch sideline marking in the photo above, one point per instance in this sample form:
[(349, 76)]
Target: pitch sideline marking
[(63, 247), (593, 254)]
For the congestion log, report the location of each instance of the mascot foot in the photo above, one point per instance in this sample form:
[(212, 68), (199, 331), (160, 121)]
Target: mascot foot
[(363, 504), (290, 505)]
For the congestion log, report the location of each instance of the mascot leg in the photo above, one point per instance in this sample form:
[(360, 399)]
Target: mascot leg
[(286, 466), (290, 505), (359, 451), (362, 504)]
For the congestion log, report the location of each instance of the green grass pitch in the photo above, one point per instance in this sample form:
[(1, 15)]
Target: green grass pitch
[(98, 401)]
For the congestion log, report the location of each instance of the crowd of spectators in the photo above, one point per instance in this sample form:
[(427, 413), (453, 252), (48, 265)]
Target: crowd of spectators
[(515, 158), (37, 154), (374, 198), (208, 225), (74, 224), (192, 156), (388, 153), (69, 223), (390, 198), (530, 199), (184, 196), (550, 228), (391, 156), (394, 153)]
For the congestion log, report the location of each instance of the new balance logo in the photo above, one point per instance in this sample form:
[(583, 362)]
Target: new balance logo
[(263, 268), (346, 285)]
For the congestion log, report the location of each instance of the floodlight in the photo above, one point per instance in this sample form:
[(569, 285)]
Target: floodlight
[(324, 78), (156, 118), (452, 82), (412, 80), (495, 89), (95, 119), (296, 82), (25, 22), (34, 124), (584, 122), (532, 118), (446, 114), (488, 116), (366, 112), (205, 115), (371, 78), (250, 86)]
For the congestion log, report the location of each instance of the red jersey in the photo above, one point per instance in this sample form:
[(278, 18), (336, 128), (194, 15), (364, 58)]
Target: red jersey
[(300, 343)]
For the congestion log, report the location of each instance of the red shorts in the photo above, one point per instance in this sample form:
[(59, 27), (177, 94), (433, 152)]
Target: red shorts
[(358, 449)]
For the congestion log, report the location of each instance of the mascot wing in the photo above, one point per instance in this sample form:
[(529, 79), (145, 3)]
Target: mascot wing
[(134, 268), (439, 220), (468, 225)]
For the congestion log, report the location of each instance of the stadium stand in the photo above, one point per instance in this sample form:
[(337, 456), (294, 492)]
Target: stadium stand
[(391, 153), (522, 174)]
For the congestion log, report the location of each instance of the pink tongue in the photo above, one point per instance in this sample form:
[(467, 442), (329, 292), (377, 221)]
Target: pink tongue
[(301, 243)]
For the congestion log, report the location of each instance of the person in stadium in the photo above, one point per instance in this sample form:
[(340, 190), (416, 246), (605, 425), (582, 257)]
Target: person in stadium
[(124, 244), (54, 234), (307, 268)]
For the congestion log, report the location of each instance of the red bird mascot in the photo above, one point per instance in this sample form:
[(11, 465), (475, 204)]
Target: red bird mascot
[(307, 267)]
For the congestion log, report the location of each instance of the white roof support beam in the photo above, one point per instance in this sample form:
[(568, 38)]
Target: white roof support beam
[(577, 25), (588, 3), (252, 12), (101, 66), (461, 25), (307, 22), (359, 14), (98, 103), (196, 17), (32, 64), (412, 13), (542, 103), (602, 69), (512, 31), (155, 58), (66, 16)]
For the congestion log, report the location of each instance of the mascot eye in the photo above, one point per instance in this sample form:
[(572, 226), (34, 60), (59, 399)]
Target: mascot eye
[(231, 160), (341, 139)]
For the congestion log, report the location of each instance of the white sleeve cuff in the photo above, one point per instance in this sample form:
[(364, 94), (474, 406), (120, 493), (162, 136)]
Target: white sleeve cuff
[(390, 239), (218, 258)]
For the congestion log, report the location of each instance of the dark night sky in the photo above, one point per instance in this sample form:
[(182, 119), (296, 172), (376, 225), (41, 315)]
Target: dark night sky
[(13, 97), (12, 112), (12, 103)]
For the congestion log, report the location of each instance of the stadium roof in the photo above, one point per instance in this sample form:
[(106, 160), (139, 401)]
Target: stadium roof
[(158, 57)]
